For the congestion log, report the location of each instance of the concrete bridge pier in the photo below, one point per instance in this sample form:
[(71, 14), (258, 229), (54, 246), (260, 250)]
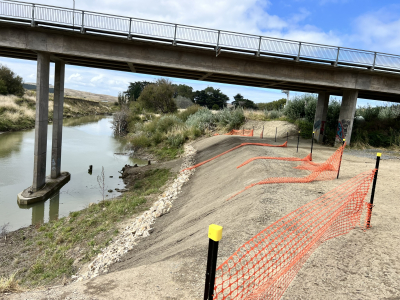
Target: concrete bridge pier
[(320, 116), (42, 120), (43, 187), (57, 119), (346, 116)]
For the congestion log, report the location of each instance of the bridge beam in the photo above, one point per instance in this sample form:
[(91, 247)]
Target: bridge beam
[(41, 121), (346, 116), (57, 119), (320, 116)]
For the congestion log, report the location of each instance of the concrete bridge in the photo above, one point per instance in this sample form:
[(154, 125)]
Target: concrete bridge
[(65, 36)]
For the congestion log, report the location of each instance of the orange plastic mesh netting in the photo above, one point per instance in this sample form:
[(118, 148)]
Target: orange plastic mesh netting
[(307, 158), (264, 266), (234, 148), (242, 132), (323, 171)]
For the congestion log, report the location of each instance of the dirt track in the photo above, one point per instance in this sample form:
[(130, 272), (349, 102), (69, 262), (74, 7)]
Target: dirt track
[(170, 264)]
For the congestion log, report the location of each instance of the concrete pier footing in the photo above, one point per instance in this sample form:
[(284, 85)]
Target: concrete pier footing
[(320, 116), (346, 116), (51, 186)]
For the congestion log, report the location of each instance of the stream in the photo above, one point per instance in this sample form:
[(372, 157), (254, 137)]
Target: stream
[(86, 141)]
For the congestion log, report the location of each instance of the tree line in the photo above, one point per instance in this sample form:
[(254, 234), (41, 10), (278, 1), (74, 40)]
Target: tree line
[(165, 96)]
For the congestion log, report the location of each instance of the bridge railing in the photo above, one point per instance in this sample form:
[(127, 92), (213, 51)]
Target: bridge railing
[(87, 21)]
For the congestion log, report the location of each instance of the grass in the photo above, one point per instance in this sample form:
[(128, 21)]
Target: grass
[(9, 284), (61, 246)]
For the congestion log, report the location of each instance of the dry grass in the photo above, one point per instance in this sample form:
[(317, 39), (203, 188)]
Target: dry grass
[(9, 284), (254, 115)]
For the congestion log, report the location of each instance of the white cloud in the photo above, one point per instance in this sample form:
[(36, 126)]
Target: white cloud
[(379, 31)]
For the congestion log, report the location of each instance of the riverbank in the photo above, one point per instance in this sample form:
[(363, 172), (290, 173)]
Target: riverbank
[(50, 253), (18, 113)]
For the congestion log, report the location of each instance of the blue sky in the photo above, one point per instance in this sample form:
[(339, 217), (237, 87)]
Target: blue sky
[(368, 24)]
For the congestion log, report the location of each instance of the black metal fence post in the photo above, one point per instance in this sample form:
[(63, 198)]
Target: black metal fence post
[(298, 141), (214, 235), (276, 132), (378, 158), (312, 141), (262, 134), (243, 131), (287, 136), (340, 162)]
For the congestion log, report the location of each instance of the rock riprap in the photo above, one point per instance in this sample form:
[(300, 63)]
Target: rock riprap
[(142, 226)]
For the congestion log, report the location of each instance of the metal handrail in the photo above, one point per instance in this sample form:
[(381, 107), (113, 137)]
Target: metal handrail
[(86, 21)]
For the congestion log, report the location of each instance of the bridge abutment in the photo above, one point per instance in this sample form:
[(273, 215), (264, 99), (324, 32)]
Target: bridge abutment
[(346, 116), (320, 116)]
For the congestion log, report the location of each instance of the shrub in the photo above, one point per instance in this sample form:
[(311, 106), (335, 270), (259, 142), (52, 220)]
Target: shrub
[(201, 119), (230, 118), (157, 97), (215, 107), (140, 141), (184, 115), (273, 114)]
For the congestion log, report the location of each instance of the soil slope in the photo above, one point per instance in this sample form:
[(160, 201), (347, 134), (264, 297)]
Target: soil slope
[(170, 264)]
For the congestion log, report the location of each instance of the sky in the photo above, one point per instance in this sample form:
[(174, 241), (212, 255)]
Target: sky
[(363, 24)]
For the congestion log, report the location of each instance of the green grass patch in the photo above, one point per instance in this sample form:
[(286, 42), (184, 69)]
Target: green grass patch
[(80, 236)]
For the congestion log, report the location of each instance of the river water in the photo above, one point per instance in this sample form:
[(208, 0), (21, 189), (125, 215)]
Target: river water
[(86, 141)]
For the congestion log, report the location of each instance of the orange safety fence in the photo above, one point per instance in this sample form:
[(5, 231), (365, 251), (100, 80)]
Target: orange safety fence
[(234, 148), (264, 266), (323, 171), (307, 158), (241, 132)]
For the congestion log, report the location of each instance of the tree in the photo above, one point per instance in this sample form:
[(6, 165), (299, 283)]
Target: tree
[(10, 83), (244, 103), (121, 99), (135, 89), (215, 107), (184, 91), (157, 97), (210, 96)]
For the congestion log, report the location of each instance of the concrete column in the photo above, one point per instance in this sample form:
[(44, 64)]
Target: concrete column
[(320, 116), (346, 116), (57, 119), (38, 213), (41, 121)]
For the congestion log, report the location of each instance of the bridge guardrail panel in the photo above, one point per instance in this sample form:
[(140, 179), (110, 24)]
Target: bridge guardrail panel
[(239, 41), (318, 52), (55, 15), (387, 61), (279, 46), (108, 23), (152, 29), (203, 36), (19, 10), (356, 57)]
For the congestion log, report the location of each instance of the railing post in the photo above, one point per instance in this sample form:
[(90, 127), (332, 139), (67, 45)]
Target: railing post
[(373, 65), (33, 16), (174, 42), (130, 29), (337, 57), (259, 48), (371, 202), (83, 22), (214, 235), (312, 141), (298, 54)]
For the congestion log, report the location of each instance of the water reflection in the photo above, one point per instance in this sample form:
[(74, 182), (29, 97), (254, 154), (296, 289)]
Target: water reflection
[(39, 209), (10, 143)]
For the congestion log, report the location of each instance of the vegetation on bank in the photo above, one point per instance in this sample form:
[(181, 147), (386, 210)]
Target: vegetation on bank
[(57, 249), (18, 112)]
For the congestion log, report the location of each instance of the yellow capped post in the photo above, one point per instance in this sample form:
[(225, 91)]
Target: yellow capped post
[(379, 154), (371, 201), (215, 232), (215, 235)]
